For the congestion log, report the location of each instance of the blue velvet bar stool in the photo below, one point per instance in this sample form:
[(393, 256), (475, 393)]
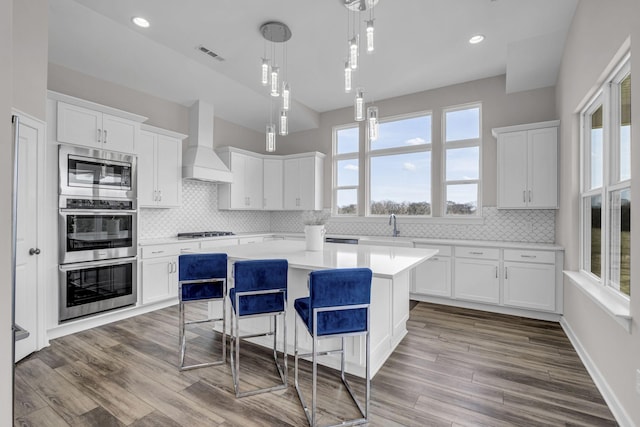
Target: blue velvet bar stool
[(337, 307), (260, 289), (201, 278)]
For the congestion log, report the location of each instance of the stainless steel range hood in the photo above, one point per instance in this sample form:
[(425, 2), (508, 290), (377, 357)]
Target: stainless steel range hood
[(199, 161)]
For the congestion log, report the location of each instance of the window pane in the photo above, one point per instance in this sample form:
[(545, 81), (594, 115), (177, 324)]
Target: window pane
[(462, 124), (463, 163), (462, 199), (625, 129), (596, 148), (347, 202), (347, 172), (593, 234), (347, 140), (401, 184), (620, 240), (403, 133)]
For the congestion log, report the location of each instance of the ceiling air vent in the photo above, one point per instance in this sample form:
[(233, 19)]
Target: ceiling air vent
[(210, 53)]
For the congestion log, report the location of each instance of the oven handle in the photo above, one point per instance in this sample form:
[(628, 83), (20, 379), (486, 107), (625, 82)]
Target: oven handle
[(98, 211), (90, 264)]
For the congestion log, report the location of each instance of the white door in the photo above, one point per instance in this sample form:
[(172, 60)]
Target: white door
[(118, 134), (512, 170), (29, 305), (273, 184), (477, 280), (543, 168), (169, 171), (146, 165)]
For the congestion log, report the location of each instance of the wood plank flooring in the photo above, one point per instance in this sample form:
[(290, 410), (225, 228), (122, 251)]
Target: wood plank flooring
[(456, 367)]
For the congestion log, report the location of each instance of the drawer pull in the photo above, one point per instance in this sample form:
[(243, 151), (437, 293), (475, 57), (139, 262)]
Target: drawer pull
[(157, 252), (476, 253), (528, 256)]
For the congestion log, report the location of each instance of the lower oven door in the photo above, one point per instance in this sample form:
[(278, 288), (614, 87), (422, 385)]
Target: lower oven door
[(92, 287), (96, 235)]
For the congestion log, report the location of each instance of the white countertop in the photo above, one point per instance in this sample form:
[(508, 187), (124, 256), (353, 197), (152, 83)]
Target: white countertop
[(384, 261)]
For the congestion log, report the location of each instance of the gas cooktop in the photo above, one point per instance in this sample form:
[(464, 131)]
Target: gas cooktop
[(199, 234)]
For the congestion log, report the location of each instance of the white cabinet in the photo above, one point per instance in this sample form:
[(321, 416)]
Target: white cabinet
[(303, 182), (159, 167), (273, 181), (160, 270), (528, 166), (245, 192), (530, 279), (433, 277), (96, 129), (476, 274)]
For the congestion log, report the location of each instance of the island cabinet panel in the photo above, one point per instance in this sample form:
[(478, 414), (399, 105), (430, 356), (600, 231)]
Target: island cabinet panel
[(246, 190), (433, 277), (83, 126), (476, 274), (528, 166), (159, 168)]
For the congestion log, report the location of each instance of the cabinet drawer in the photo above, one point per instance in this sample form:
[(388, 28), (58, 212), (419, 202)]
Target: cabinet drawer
[(542, 257), (442, 250), (157, 251), (478, 253), (218, 243), (247, 240)]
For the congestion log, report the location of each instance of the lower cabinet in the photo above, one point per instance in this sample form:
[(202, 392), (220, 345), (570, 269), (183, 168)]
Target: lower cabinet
[(530, 284), (159, 279), (477, 280), (433, 277)]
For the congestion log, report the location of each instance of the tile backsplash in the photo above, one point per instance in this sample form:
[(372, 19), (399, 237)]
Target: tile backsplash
[(199, 212)]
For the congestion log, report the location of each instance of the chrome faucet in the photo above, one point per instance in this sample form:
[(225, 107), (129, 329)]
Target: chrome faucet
[(392, 220)]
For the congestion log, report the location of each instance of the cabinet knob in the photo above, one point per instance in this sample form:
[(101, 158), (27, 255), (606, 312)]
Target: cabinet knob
[(34, 251)]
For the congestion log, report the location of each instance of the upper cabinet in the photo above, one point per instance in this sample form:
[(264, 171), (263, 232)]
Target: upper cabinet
[(528, 166), (95, 126), (303, 175), (245, 192), (271, 182), (159, 167)]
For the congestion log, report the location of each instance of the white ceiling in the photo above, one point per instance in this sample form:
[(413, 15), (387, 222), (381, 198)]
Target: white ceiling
[(420, 45)]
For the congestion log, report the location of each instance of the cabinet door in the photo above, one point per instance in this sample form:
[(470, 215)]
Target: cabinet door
[(530, 285), (477, 280), (291, 184), (253, 176), (512, 170), (78, 125), (307, 184), (273, 184), (237, 194), (118, 134), (433, 277), (169, 171), (543, 168), (159, 279), (145, 149)]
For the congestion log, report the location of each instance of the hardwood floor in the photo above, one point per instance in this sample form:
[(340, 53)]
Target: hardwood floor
[(456, 367)]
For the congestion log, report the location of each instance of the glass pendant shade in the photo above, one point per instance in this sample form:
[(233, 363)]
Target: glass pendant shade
[(353, 53), (372, 118), (347, 77), (271, 138), (265, 72), (359, 105), (274, 81), (284, 123), (370, 46), (286, 96)]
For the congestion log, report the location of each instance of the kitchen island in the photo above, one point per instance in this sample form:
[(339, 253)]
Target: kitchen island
[(391, 268)]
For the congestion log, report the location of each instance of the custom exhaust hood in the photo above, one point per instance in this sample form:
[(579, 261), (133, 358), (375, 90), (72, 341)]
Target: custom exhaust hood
[(199, 161)]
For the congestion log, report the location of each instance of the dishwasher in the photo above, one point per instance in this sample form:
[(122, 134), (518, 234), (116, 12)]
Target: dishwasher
[(343, 240)]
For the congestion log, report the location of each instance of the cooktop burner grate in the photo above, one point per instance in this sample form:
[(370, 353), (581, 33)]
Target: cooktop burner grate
[(198, 234)]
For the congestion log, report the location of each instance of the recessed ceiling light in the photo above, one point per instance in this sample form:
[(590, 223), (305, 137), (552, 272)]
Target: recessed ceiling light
[(140, 21), (476, 39)]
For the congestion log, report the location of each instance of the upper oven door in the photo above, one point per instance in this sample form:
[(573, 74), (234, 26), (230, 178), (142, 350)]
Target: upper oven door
[(96, 235), (96, 173)]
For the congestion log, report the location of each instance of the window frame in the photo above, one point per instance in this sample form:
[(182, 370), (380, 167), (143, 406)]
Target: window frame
[(607, 96), (463, 143), (419, 148), (334, 169)]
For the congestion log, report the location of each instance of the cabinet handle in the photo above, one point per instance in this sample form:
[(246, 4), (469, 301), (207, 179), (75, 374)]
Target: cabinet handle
[(175, 267), (476, 253), (529, 196), (506, 275), (159, 195), (496, 272), (157, 252), (170, 267), (105, 136), (528, 256), (99, 135)]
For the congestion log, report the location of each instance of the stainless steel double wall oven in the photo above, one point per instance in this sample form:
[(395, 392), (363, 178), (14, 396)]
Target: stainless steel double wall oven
[(97, 231)]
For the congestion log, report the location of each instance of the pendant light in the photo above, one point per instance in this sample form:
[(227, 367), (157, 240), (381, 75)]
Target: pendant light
[(372, 122), (370, 46), (347, 77), (286, 96), (284, 123), (265, 72), (271, 138), (353, 53), (359, 105)]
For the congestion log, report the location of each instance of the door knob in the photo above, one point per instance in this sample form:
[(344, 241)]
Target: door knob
[(34, 251)]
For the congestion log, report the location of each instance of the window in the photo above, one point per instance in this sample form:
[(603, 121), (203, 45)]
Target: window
[(461, 153), (606, 183), (345, 170), (399, 163)]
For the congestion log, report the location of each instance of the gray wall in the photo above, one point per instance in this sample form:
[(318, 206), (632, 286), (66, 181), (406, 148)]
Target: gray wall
[(6, 96), (498, 109), (597, 33)]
